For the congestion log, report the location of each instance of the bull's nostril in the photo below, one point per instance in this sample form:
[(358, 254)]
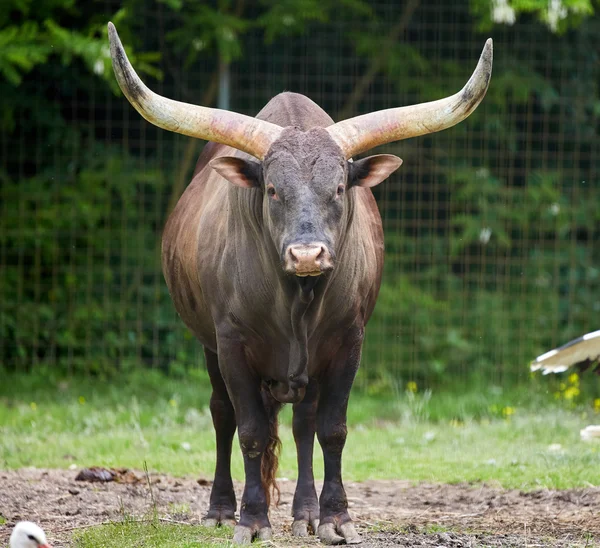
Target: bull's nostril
[(307, 259)]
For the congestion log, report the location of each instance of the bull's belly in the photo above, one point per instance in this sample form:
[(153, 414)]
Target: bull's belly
[(195, 313), (202, 327)]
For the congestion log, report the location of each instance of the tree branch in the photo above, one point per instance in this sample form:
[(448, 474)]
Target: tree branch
[(377, 64)]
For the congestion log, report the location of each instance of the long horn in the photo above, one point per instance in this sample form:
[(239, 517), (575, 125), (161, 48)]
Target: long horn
[(229, 128), (361, 133)]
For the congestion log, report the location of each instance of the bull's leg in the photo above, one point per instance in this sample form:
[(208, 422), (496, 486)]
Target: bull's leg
[(253, 432), (336, 526), (305, 508), (222, 497)]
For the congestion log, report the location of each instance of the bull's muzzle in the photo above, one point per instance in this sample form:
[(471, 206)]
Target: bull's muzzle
[(308, 259)]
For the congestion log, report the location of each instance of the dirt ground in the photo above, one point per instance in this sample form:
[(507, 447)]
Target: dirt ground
[(388, 513)]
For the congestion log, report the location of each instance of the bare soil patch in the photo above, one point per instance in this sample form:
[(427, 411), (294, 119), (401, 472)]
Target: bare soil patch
[(388, 513)]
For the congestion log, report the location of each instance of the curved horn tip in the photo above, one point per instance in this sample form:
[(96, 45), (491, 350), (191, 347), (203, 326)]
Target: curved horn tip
[(113, 35), (483, 71), (488, 50)]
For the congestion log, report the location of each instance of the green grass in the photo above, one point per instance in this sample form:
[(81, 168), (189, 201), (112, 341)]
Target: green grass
[(150, 535), (521, 439), (506, 439)]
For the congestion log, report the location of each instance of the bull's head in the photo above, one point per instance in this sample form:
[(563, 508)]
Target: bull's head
[(305, 179), (305, 175)]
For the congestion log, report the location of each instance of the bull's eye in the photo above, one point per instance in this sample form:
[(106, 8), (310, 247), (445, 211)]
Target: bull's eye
[(340, 190), (271, 192)]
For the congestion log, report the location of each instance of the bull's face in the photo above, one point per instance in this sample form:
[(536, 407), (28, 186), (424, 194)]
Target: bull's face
[(306, 184)]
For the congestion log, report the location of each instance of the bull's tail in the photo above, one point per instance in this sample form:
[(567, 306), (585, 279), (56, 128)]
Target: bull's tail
[(270, 457)]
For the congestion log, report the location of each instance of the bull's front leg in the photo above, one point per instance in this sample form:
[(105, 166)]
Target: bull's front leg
[(222, 495), (336, 526), (253, 431), (305, 508)]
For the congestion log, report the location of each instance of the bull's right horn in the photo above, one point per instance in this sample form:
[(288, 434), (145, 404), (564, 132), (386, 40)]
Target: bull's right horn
[(362, 133), (229, 128)]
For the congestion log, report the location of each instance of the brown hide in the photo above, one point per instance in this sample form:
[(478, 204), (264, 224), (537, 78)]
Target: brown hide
[(222, 269)]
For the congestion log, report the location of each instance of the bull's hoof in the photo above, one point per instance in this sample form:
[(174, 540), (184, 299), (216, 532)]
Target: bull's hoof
[(245, 535), (212, 522), (216, 518), (342, 534), (303, 527)]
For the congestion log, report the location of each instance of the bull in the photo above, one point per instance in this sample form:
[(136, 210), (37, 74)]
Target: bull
[(273, 257)]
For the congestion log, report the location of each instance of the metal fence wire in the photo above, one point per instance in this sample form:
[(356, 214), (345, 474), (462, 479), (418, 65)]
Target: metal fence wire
[(492, 227)]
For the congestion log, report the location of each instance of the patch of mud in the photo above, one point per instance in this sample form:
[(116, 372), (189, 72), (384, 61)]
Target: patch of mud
[(387, 513)]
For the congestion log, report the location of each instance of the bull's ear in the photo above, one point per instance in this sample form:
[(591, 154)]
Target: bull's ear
[(372, 170), (240, 172)]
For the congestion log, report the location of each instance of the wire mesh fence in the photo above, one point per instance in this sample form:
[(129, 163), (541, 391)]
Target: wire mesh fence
[(492, 227)]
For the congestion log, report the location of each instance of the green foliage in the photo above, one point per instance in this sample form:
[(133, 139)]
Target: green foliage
[(24, 46), (105, 307), (21, 50), (510, 270), (206, 29)]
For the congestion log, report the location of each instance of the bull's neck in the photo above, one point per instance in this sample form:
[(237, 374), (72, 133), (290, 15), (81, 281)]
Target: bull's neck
[(246, 213)]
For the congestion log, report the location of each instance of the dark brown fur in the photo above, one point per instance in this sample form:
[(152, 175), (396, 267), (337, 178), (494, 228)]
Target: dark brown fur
[(223, 249)]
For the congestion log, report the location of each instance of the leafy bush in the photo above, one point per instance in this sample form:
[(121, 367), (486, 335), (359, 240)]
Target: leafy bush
[(491, 234), (81, 285)]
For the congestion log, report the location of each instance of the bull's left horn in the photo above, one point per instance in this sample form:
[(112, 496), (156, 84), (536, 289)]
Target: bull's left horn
[(362, 133), (229, 128)]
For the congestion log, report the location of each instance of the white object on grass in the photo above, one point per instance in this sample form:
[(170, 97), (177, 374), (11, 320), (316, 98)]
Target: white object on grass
[(582, 353), (27, 534), (591, 432)]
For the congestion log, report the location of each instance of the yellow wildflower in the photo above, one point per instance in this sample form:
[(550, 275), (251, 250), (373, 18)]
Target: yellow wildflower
[(411, 386), (508, 411), (574, 378), (571, 392), (33, 406), (81, 400)]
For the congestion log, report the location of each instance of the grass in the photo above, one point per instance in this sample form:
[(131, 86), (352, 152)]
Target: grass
[(506, 439), (522, 439), (150, 535)]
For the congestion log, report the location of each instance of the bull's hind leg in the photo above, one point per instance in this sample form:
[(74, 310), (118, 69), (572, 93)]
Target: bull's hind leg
[(222, 497), (253, 432), (336, 526), (305, 508)]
